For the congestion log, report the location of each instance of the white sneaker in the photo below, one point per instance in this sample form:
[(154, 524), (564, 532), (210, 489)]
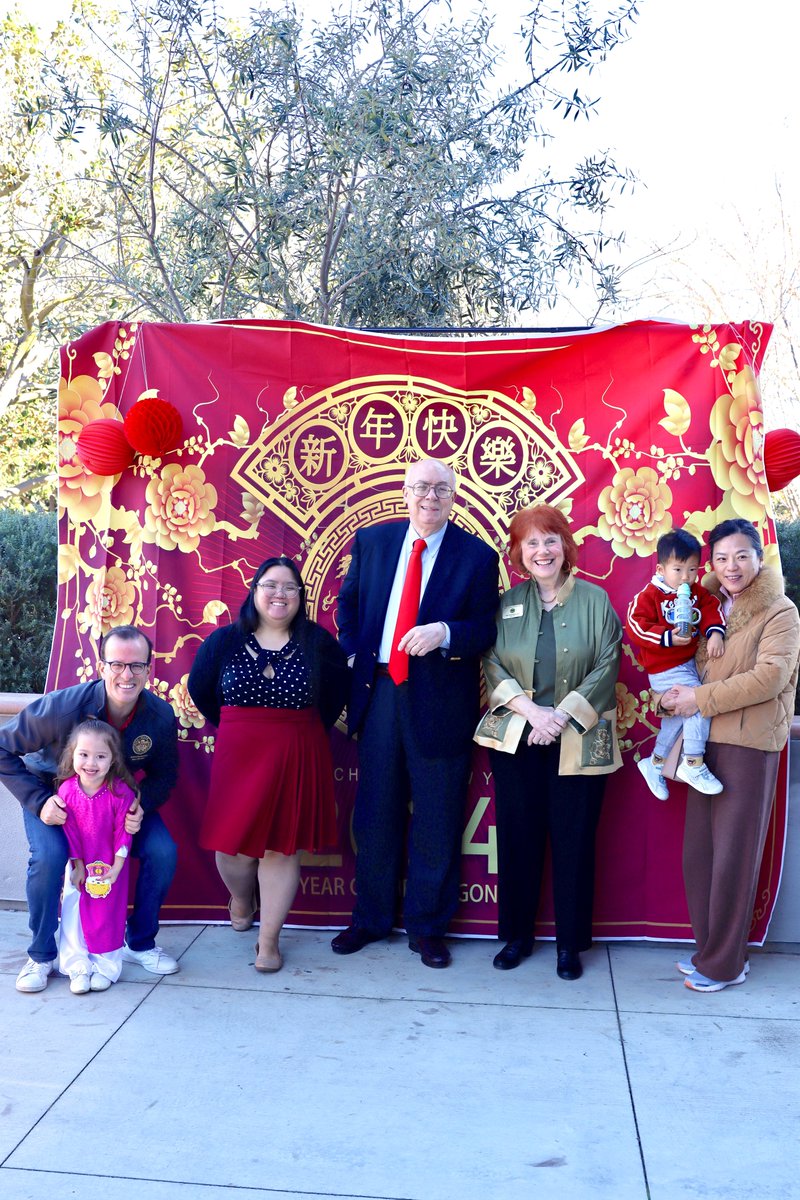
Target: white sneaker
[(699, 983), (99, 983), (79, 983), (688, 968), (155, 960), (700, 778), (654, 777), (33, 976)]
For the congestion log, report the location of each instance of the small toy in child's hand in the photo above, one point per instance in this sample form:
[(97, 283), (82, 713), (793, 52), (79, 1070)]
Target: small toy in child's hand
[(97, 882)]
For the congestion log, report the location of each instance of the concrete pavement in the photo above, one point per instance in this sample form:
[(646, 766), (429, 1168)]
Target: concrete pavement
[(374, 1076)]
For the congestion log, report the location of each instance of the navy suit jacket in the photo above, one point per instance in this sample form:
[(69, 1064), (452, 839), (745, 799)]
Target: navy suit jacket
[(463, 590)]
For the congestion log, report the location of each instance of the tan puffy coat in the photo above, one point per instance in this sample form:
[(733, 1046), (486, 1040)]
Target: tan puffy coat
[(749, 692)]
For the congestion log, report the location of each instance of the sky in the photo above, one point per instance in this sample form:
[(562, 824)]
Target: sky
[(701, 104)]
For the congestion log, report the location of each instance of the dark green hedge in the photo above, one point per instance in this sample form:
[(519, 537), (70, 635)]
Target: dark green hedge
[(28, 573), (789, 541)]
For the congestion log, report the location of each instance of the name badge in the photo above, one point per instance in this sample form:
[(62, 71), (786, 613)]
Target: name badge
[(513, 610)]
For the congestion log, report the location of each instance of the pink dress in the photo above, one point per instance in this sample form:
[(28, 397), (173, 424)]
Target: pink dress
[(95, 831)]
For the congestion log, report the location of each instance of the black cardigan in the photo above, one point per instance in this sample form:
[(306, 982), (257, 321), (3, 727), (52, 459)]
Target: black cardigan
[(327, 664)]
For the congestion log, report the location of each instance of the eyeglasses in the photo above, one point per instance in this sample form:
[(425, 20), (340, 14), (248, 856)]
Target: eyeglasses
[(442, 490), (118, 668), (288, 589)]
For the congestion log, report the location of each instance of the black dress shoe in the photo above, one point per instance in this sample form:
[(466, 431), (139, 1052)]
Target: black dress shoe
[(431, 950), (569, 965), (353, 939), (513, 953)]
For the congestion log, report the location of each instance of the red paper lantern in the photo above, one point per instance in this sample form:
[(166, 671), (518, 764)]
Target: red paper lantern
[(103, 448), (153, 426), (781, 458)]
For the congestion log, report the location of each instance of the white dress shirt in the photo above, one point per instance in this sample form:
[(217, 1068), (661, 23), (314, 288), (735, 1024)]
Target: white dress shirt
[(433, 543)]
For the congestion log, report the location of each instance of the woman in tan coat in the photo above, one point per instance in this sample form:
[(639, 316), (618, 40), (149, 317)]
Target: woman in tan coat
[(749, 695)]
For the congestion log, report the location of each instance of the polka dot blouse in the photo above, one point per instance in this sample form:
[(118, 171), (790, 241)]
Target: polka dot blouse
[(245, 685)]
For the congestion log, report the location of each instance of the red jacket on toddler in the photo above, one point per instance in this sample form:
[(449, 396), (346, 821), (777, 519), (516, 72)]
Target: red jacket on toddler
[(650, 624)]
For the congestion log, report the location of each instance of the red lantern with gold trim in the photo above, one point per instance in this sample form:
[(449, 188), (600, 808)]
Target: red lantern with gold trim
[(103, 448), (153, 426), (781, 458)]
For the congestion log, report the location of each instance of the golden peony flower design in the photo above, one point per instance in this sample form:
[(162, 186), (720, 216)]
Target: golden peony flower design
[(737, 453), (633, 511), (110, 599), (183, 705), (627, 709), (81, 493), (181, 508)]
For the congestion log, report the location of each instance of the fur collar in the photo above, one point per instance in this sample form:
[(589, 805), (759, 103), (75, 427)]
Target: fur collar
[(766, 588)]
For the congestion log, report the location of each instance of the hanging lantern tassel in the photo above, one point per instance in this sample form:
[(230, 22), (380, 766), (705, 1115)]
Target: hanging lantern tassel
[(781, 458), (153, 426), (103, 448)]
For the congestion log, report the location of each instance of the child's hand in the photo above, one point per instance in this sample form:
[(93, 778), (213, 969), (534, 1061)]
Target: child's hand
[(77, 876), (716, 645), (682, 639)]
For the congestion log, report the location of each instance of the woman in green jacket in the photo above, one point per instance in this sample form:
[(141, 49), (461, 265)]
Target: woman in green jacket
[(551, 730)]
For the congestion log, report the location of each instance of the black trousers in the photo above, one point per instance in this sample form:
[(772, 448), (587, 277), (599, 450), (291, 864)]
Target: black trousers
[(533, 803), (392, 772)]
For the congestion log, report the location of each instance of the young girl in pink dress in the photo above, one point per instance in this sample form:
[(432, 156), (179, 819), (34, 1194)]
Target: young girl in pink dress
[(96, 789)]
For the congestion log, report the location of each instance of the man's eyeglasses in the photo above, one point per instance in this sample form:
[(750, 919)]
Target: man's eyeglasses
[(271, 589), (118, 668), (442, 490)]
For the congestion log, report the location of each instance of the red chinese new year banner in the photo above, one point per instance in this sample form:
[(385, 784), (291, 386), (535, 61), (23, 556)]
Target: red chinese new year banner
[(295, 435)]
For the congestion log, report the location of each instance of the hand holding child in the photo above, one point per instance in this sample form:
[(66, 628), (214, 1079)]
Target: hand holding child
[(134, 817)]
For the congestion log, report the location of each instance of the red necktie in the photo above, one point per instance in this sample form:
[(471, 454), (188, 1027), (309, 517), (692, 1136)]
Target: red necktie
[(407, 613)]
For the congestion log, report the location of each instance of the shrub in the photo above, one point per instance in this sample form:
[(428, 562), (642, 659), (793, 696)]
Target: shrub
[(28, 571), (789, 542)]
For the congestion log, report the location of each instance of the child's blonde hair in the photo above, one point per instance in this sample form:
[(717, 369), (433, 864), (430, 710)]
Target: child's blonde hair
[(118, 769)]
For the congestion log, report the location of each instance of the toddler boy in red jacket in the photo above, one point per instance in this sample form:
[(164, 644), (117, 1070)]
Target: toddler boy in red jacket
[(668, 656)]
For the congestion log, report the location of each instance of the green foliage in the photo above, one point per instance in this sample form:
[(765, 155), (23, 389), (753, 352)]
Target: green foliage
[(789, 544), (28, 557), (385, 167), (28, 452), (368, 170)]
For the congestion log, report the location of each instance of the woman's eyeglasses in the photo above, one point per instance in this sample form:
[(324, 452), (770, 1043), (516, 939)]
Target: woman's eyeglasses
[(272, 589)]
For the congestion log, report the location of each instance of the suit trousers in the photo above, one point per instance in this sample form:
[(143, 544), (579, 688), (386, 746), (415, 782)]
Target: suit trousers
[(723, 842), (534, 804), (392, 771)]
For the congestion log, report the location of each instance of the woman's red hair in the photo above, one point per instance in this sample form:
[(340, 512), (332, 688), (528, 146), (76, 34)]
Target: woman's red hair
[(545, 519)]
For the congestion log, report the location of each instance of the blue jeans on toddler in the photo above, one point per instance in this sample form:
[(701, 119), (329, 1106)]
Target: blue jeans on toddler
[(152, 845), (695, 729)]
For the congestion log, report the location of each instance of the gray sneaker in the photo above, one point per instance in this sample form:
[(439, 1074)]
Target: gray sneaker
[(688, 967), (33, 976), (654, 777)]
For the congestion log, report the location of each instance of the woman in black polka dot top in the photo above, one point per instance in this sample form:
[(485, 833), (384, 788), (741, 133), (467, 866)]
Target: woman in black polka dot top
[(273, 682)]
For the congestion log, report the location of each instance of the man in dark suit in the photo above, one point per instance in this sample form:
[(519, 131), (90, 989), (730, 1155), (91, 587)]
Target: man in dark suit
[(415, 733)]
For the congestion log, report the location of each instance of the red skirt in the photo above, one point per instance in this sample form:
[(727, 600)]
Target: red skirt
[(271, 784)]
